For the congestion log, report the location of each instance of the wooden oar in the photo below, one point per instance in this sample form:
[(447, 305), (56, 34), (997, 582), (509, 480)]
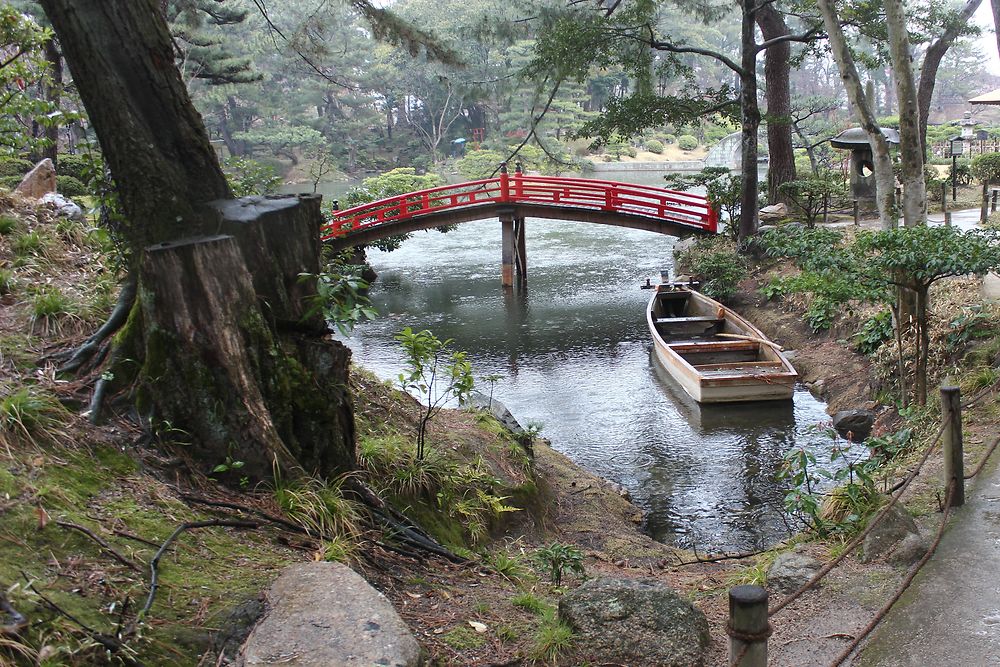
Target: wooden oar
[(753, 338)]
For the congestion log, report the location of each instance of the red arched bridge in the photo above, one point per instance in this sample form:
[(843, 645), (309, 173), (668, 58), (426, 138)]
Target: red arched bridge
[(512, 198)]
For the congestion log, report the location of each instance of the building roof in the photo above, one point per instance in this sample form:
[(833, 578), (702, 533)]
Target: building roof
[(992, 97)]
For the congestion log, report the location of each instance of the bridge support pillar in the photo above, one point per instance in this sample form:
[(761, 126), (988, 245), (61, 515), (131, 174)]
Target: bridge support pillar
[(514, 264)]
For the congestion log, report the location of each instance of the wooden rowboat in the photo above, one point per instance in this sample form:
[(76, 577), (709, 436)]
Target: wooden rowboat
[(715, 355)]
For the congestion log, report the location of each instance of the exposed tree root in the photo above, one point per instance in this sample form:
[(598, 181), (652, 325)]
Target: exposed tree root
[(94, 346)]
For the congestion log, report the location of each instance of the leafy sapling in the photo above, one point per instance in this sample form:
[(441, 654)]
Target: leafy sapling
[(436, 372)]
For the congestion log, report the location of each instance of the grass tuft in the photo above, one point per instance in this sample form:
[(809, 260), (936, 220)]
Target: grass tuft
[(553, 638), (8, 225), (50, 309), (319, 506), (29, 415)]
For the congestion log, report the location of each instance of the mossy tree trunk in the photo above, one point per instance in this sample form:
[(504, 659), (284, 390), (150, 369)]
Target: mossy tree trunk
[(226, 360)]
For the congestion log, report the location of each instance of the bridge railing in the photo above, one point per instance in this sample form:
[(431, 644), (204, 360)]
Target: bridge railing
[(669, 206)]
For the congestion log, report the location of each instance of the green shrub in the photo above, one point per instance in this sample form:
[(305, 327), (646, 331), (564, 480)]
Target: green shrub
[(480, 164), (669, 139), (654, 146), (717, 266), (631, 151), (687, 142), (250, 177), (962, 173), (876, 330), (71, 186), (11, 167), (986, 167), (73, 165), (10, 182)]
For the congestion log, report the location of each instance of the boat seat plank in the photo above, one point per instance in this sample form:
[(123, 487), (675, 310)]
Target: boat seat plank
[(739, 366), (714, 346), (694, 318)]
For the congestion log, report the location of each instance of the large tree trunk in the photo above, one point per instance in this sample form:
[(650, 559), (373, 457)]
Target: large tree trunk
[(751, 122), (885, 182), (154, 141), (218, 343), (777, 67), (911, 151), (932, 61)]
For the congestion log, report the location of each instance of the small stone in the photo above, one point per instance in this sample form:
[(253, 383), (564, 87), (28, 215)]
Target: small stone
[(910, 550), (64, 206), (635, 622), (323, 614), (38, 181), (790, 570), (855, 425), (891, 530)]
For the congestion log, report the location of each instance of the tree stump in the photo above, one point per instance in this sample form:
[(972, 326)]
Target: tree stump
[(229, 366)]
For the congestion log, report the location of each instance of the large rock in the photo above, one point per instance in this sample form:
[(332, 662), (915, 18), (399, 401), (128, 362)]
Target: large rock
[(790, 570), (913, 547), (324, 614), (856, 425), (890, 531), (774, 212), (635, 622), (64, 206), (39, 181)]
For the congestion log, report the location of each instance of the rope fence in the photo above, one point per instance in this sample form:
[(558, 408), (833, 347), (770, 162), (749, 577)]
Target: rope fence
[(750, 625)]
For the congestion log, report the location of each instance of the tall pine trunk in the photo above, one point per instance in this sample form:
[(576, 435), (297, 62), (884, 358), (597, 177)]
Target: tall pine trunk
[(911, 152), (884, 178), (751, 123), (777, 67)]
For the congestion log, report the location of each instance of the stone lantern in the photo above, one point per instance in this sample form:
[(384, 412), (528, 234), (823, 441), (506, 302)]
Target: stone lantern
[(855, 139)]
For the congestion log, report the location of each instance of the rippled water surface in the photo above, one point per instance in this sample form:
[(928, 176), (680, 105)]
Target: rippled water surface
[(575, 354)]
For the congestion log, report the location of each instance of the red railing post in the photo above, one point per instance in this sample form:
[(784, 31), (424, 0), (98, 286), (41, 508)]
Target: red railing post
[(609, 198), (518, 173), (504, 183), (713, 218)]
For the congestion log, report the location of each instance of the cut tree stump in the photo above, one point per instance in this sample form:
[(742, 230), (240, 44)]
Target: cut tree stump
[(229, 367)]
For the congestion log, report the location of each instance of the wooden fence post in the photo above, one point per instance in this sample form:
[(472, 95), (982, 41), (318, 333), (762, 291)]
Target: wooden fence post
[(748, 626), (951, 442), (857, 213)]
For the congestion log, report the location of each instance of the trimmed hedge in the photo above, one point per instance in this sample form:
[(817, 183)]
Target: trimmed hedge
[(15, 167), (687, 142), (986, 167), (654, 146), (70, 186)]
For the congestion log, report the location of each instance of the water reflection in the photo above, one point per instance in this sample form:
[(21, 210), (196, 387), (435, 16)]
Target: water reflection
[(575, 355)]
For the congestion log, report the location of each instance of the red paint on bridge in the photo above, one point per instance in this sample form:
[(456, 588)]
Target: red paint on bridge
[(668, 206)]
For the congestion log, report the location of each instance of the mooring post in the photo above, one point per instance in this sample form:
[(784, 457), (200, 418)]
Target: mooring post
[(507, 249), (748, 627), (951, 441)]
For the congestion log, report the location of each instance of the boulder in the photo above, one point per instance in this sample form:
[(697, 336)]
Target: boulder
[(910, 550), (635, 622), (38, 181), (790, 570), (774, 212), (501, 413), (684, 245), (890, 531), (855, 425), (322, 614), (64, 206)]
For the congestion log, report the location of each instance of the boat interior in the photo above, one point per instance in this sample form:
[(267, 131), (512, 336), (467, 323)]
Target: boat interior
[(690, 329)]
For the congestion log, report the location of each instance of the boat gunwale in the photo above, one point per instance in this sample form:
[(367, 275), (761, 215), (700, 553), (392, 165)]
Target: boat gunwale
[(787, 376)]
